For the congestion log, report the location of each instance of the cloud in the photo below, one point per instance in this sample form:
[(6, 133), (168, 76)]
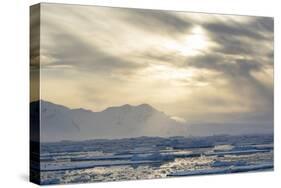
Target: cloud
[(156, 22), (67, 47), (205, 69), (178, 119), (242, 38), (34, 36)]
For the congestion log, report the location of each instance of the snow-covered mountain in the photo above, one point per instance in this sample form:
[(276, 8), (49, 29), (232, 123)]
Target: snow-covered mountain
[(61, 123)]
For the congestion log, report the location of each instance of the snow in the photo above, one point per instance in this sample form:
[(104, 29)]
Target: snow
[(153, 157), (91, 164), (224, 147), (61, 123), (243, 152), (219, 163), (223, 170)]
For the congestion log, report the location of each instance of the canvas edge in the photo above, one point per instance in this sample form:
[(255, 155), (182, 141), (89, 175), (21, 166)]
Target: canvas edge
[(34, 111)]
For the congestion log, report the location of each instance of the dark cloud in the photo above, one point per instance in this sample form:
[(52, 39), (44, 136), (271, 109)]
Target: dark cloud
[(240, 82), (241, 38), (34, 52), (263, 25), (233, 69), (233, 45), (257, 29), (232, 30), (228, 67), (158, 22), (34, 36)]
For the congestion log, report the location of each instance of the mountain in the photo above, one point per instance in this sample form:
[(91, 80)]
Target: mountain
[(61, 123)]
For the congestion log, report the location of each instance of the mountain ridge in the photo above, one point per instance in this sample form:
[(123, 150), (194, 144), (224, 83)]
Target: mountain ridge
[(144, 105), (59, 122)]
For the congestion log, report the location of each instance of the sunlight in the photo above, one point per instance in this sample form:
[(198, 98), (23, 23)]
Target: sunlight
[(193, 44), (161, 72)]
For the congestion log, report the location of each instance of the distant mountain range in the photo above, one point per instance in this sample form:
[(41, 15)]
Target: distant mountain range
[(61, 123)]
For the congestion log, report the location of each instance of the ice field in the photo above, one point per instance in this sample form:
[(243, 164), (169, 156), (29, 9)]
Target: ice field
[(153, 157)]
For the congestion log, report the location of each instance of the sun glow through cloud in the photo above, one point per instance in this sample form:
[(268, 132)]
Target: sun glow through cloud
[(193, 44)]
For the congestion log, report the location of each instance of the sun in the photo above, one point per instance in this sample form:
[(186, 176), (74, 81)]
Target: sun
[(193, 44)]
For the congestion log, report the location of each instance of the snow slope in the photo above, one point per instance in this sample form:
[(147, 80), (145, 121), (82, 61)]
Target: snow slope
[(61, 123)]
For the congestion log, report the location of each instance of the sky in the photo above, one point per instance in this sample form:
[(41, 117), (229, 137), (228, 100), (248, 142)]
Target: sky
[(198, 68)]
